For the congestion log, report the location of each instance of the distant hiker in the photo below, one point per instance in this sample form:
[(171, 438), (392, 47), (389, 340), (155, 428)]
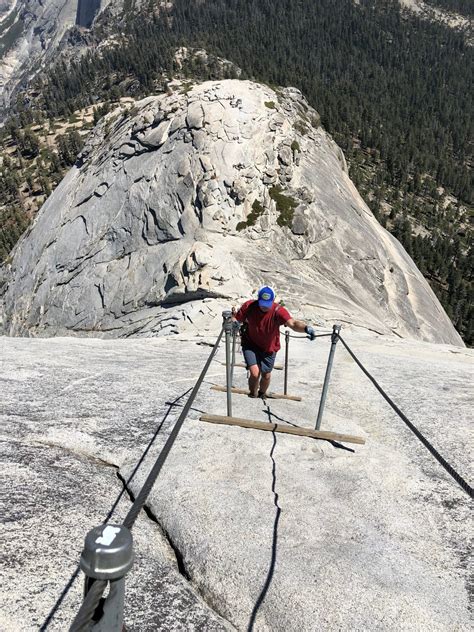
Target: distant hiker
[(261, 321)]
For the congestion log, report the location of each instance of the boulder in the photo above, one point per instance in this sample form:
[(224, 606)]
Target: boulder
[(188, 166)]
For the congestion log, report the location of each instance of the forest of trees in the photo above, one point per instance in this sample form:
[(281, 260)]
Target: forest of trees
[(393, 91), (399, 85), (28, 170)]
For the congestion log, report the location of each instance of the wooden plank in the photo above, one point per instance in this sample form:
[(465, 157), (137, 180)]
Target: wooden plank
[(264, 425), (277, 367), (244, 391)]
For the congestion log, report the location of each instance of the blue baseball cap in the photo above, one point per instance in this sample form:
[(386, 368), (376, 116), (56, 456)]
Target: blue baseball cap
[(266, 296)]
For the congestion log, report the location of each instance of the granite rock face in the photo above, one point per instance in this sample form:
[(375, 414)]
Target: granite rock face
[(35, 31), (291, 533), (193, 200), (53, 491)]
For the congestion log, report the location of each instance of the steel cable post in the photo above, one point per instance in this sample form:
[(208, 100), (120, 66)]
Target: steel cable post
[(334, 338), (441, 460), (107, 557), (232, 365), (227, 325), (287, 347)]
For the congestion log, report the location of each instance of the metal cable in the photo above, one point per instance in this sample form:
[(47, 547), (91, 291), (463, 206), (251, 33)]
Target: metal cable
[(457, 477), (152, 476), (83, 619), (145, 452), (75, 574), (316, 336)]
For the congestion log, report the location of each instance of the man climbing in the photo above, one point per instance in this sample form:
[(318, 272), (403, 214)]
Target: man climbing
[(261, 321)]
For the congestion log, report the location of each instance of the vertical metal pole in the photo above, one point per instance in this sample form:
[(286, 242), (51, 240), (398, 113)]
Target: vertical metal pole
[(108, 554), (227, 316), (287, 345), (334, 338), (232, 364)]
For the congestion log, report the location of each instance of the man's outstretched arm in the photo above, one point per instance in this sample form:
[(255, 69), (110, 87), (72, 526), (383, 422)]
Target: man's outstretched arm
[(301, 327)]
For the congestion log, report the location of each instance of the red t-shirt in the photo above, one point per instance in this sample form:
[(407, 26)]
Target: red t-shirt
[(263, 328)]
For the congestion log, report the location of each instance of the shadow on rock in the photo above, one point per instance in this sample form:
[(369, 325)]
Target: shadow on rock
[(271, 568)]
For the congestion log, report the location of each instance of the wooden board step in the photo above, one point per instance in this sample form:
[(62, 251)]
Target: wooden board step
[(277, 367), (269, 427), (244, 391)]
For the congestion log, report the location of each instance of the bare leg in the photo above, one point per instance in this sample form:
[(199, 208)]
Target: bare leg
[(254, 376), (264, 382)]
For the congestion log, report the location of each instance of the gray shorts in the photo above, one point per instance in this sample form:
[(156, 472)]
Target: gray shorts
[(264, 360)]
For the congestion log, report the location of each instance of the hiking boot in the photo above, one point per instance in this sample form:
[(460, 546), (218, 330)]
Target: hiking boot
[(253, 396), (262, 395)]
